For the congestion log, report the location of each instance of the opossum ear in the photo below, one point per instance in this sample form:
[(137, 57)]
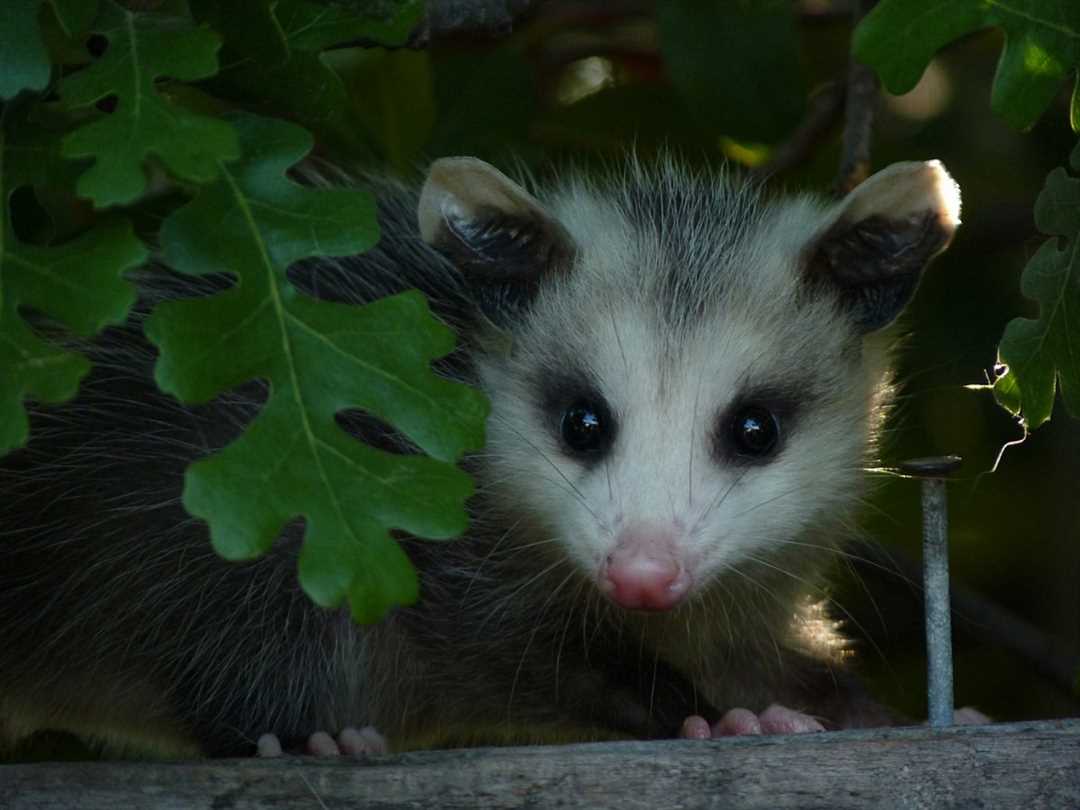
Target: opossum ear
[(888, 229), (496, 233)]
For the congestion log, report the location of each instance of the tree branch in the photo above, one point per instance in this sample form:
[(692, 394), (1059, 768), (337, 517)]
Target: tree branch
[(489, 19), (862, 93), (485, 18), (822, 117)]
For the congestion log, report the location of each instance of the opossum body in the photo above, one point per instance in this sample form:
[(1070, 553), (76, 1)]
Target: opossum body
[(685, 379)]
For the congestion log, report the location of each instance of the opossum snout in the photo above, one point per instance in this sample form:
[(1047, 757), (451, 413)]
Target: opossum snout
[(645, 570)]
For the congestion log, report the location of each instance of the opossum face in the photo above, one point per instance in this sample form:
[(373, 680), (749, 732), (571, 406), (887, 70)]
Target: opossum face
[(692, 377)]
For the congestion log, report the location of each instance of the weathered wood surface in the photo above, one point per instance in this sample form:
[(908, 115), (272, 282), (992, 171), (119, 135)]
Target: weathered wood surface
[(1020, 765)]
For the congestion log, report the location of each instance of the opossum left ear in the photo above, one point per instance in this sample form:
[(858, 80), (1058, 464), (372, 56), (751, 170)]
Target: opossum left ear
[(888, 229), (496, 233)]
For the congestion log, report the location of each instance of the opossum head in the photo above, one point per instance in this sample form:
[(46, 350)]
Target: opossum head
[(692, 370)]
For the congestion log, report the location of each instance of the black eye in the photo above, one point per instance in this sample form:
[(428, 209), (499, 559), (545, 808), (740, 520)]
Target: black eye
[(587, 427), (755, 430)]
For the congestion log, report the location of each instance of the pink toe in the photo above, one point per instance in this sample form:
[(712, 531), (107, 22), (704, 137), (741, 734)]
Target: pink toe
[(695, 727), (736, 723), (375, 742), (268, 745), (321, 744), (779, 719), (359, 742), (970, 716)]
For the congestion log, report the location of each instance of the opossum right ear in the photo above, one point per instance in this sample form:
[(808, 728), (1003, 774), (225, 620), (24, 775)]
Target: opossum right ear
[(887, 230), (497, 234)]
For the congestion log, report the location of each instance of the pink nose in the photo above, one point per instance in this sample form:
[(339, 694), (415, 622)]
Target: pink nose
[(645, 576)]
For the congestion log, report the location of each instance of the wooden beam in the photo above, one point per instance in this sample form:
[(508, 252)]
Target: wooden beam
[(1019, 765)]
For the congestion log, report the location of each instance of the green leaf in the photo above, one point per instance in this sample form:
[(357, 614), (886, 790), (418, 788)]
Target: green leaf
[(265, 71), (1042, 44), (1045, 353), (382, 78), (77, 283), (735, 65), (313, 26), (1007, 391), (255, 33), (274, 64), (24, 61), (65, 31), (320, 358), (1074, 105), (143, 48), (74, 16)]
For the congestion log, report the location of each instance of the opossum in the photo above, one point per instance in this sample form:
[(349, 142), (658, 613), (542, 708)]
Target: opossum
[(686, 376)]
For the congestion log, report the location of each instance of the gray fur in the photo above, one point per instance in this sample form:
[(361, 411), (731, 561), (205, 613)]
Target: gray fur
[(685, 292)]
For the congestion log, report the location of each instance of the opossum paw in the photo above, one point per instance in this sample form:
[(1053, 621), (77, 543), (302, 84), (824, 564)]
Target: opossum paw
[(350, 742), (776, 719), (359, 742), (970, 716), (268, 745), (695, 727)]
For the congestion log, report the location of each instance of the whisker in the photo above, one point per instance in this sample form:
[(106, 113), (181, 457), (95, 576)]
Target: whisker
[(817, 588), (554, 466), (767, 501), (693, 429), (510, 597), (495, 547), (720, 498), (574, 602), (525, 652), (847, 555)]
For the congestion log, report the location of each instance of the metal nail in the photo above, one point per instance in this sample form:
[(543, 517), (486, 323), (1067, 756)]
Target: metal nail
[(939, 668)]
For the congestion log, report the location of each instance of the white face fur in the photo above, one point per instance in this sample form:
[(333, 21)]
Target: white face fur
[(682, 396)]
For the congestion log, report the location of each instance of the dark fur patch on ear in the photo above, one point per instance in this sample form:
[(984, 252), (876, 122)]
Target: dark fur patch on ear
[(874, 265), (504, 256), (889, 228), (499, 236)]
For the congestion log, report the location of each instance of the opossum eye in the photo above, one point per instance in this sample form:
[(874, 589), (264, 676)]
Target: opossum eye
[(587, 427), (755, 431)]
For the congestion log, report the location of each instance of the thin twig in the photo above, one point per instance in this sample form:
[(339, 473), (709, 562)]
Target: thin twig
[(822, 117), (489, 18), (862, 94)]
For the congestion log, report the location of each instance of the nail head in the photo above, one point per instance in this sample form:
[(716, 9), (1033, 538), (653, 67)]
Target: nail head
[(931, 466)]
